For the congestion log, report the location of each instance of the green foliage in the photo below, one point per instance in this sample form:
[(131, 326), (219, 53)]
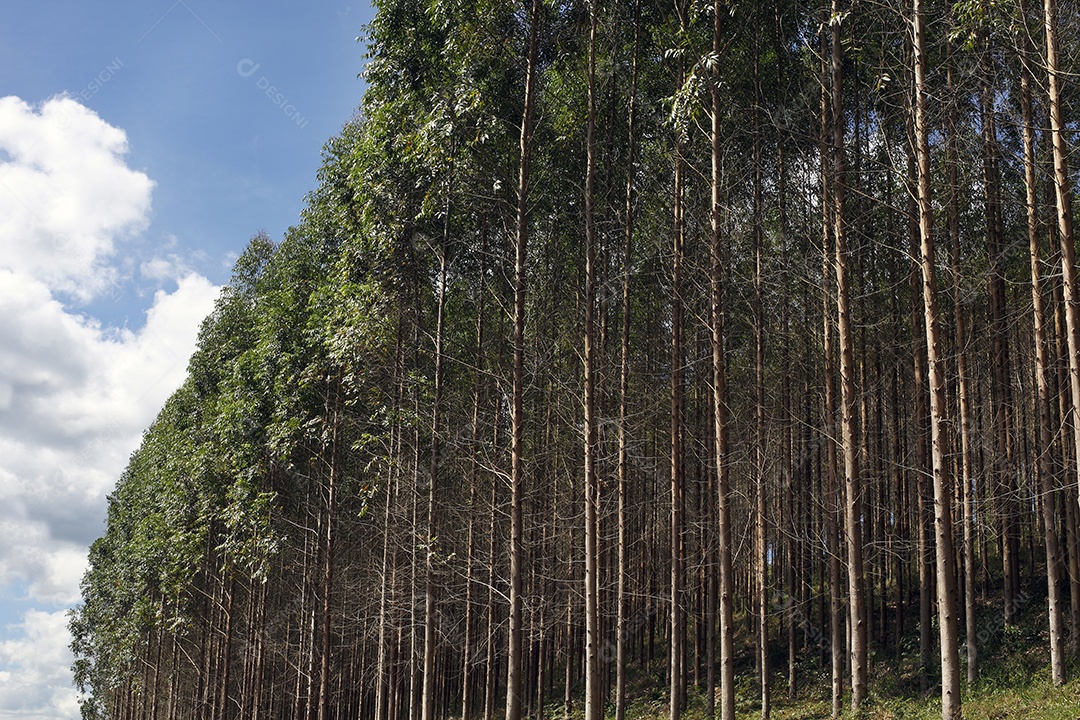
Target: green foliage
[(299, 450)]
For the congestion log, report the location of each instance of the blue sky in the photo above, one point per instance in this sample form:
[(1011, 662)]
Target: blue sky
[(229, 153), (141, 145)]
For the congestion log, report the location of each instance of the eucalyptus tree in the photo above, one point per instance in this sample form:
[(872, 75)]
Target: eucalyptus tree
[(946, 559), (726, 584), (593, 705), (1063, 200), (831, 489), (523, 381), (853, 487), (1044, 436), (517, 450), (621, 630), (677, 627)]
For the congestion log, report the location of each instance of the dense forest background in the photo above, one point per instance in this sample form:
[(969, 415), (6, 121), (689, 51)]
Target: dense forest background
[(682, 353)]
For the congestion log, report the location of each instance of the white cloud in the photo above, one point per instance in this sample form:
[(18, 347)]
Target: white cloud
[(163, 269), (80, 397), (34, 683), (66, 194), (75, 395)]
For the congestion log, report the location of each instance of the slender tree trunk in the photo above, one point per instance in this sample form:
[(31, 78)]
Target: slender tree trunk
[(1073, 546), (593, 706), (415, 660), (1004, 477), (923, 464), (761, 577), (787, 473), (428, 700), (676, 640), (1063, 197), (225, 651), (964, 389), (831, 509), (474, 483), (849, 396), (719, 376), (1042, 369), (514, 653), (624, 391), (328, 559), (174, 679), (490, 659), (1064, 436), (946, 569), (382, 685)]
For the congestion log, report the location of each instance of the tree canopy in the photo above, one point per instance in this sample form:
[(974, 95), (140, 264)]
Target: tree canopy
[(613, 328)]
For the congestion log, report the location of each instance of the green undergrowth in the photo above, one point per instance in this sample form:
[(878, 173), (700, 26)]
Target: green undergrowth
[(1008, 688), (1014, 680)]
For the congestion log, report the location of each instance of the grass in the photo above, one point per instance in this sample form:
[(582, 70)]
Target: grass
[(1014, 681), (1030, 697)]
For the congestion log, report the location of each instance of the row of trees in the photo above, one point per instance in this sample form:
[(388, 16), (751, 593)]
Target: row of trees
[(615, 335)]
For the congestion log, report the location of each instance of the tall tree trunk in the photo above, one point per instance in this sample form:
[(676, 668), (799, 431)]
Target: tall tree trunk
[(333, 411), (1063, 198), (514, 654), (787, 472), (761, 578), (676, 640), (1066, 451), (946, 562), (225, 664), (719, 376), (1004, 476), (963, 383), (849, 397), (1042, 380), (382, 687), (474, 483), (832, 508), (923, 464), (624, 390), (593, 707), (428, 701), (491, 659), (414, 659)]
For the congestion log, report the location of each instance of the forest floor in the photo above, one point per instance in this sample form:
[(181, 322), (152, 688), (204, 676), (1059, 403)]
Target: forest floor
[(1013, 685), (1014, 680)]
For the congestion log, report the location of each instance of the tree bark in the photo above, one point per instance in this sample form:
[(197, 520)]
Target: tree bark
[(624, 390), (849, 396), (946, 569), (1063, 198), (428, 701), (963, 389), (333, 411), (676, 639), (514, 654), (719, 376), (761, 570), (831, 510), (593, 706), (1042, 380)]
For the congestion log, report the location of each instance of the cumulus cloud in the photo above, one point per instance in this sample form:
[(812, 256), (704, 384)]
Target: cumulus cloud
[(75, 395), (66, 194), (80, 396), (163, 268), (34, 683)]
